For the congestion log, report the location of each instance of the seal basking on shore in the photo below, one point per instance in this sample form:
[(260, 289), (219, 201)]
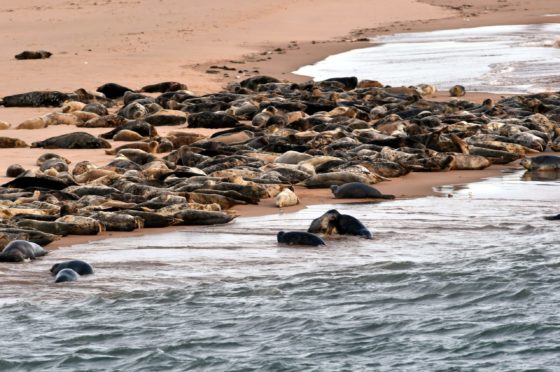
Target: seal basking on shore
[(76, 140), (358, 190), (299, 238)]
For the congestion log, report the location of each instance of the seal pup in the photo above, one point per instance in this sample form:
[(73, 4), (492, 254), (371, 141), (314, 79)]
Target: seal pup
[(286, 198), (299, 238), (66, 275), (20, 250), (358, 190)]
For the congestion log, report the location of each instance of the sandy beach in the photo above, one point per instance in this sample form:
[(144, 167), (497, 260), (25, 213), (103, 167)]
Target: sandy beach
[(135, 43)]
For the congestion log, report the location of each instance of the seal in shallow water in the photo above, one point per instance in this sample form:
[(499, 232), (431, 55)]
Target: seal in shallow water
[(20, 250), (332, 222), (542, 163), (66, 275), (79, 266), (358, 190), (299, 238)]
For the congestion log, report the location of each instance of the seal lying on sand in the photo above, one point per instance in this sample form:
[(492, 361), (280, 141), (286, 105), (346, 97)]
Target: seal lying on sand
[(20, 250), (33, 54), (76, 140), (542, 163), (299, 238), (334, 222), (358, 190), (80, 267), (66, 275)]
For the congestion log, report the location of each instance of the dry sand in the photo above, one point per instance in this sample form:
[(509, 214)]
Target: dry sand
[(134, 43)]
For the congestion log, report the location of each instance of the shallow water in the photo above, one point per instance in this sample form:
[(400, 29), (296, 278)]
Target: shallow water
[(501, 59), (464, 282)]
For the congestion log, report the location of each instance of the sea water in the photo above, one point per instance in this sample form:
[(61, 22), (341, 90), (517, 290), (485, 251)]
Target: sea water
[(500, 59), (469, 280)]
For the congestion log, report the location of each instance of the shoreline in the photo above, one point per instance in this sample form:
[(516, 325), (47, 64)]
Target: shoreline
[(97, 68), (424, 185)]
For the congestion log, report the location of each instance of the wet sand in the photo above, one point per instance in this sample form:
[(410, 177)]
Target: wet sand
[(154, 41)]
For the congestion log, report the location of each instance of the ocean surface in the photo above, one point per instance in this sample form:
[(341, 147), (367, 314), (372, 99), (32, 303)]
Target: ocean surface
[(500, 59), (466, 281)]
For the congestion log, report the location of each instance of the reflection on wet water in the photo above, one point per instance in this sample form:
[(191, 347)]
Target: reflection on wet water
[(551, 175), (468, 282), (501, 59)]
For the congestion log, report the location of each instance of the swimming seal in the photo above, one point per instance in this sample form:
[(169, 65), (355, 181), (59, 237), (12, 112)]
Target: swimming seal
[(358, 190), (20, 250), (80, 267), (66, 275), (299, 238)]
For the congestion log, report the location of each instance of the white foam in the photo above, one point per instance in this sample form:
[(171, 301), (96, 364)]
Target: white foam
[(465, 56)]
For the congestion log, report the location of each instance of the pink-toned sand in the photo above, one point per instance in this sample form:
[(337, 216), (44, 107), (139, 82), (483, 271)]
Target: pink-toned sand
[(134, 43)]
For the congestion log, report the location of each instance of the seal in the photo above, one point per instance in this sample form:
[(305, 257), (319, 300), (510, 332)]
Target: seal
[(286, 198), (20, 250), (358, 190), (80, 267), (457, 91), (34, 123), (14, 170), (140, 127), (299, 238), (149, 147), (163, 87), (542, 163), (326, 180), (113, 90), (36, 99), (127, 135), (33, 54), (9, 143), (66, 275), (4, 125), (80, 225), (76, 140), (333, 222)]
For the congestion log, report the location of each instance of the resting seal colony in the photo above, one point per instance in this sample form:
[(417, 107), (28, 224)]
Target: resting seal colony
[(274, 135)]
